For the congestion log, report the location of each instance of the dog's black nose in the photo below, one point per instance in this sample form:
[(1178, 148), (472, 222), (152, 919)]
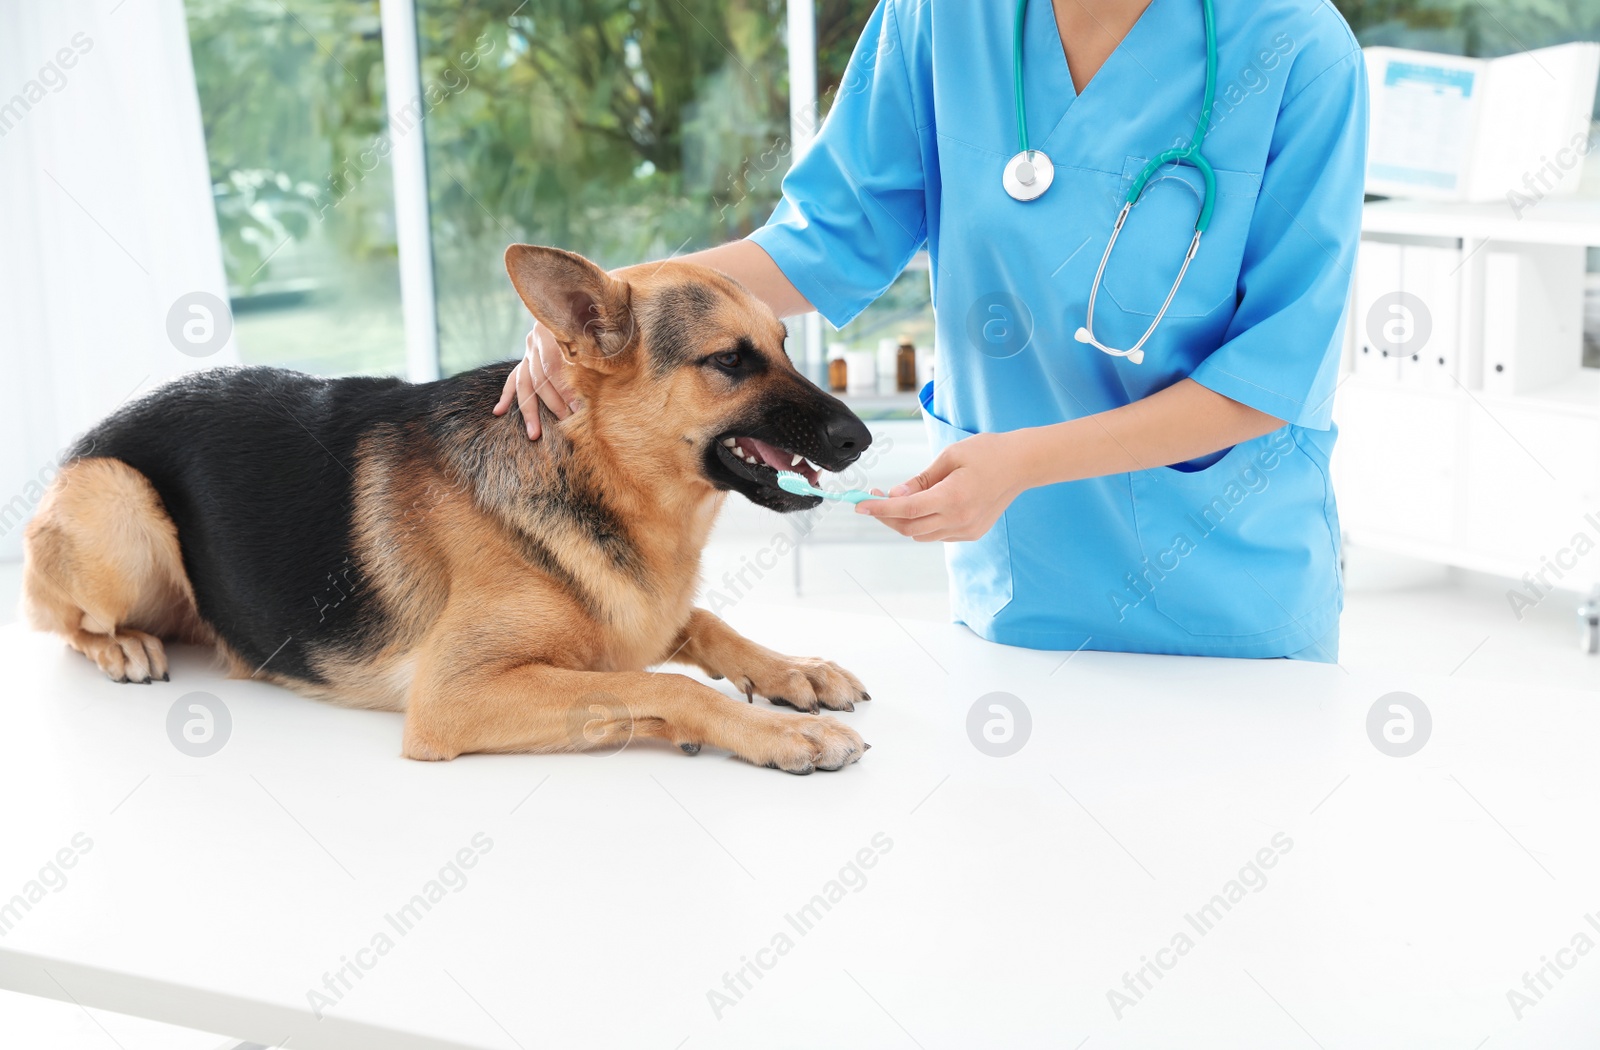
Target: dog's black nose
[(848, 435)]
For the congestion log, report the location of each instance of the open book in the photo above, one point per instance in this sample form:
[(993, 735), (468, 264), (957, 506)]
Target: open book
[(1450, 128)]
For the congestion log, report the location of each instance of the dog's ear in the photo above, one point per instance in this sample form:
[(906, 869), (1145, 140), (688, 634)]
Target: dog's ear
[(585, 308)]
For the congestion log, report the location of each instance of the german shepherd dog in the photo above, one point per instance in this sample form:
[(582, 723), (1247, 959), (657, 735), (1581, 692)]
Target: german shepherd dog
[(392, 545)]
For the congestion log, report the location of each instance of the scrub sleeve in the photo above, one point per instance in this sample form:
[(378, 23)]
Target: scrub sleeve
[(1295, 277), (854, 209)]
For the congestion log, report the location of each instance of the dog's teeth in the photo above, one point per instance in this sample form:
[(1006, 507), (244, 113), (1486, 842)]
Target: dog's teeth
[(731, 442), (797, 458)]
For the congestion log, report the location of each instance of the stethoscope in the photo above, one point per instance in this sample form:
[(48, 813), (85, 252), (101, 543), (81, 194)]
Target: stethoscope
[(1029, 174)]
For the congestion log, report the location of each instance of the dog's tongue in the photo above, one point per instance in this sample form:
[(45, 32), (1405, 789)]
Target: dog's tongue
[(778, 459)]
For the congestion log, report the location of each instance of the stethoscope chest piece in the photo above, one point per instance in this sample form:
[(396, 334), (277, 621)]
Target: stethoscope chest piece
[(1028, 175)]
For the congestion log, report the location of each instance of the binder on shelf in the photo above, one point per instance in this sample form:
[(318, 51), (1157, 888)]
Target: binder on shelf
[(1502, 282), (1431, 277), (1378, 287), (1532, 316)]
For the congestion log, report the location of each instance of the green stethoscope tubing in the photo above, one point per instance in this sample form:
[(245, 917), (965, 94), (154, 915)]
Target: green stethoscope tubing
[(1189, 154)]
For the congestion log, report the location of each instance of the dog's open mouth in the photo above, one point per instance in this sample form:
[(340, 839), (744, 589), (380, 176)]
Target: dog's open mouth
[(761, 461), (793, 437)]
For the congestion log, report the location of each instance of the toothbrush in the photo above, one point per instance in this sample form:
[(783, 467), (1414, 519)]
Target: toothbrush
[(789, 481)]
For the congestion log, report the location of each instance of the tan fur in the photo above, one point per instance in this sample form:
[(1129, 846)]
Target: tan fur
[(101, 568), (485, 651)]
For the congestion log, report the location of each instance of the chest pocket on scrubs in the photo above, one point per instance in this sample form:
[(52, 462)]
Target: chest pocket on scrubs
[(1157, 235)]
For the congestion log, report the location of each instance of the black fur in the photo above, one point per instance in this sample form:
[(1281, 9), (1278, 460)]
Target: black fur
[(675, 316), (256, 467)]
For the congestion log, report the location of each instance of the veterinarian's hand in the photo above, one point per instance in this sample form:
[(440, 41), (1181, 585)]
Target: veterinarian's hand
[(537, 377), (961, 494)]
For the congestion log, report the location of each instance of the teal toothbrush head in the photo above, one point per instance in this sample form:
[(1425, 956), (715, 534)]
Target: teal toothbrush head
[(789, 481)]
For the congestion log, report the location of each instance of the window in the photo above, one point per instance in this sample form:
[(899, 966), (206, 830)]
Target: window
[(627, 130), (291, 96), (1467, 27)]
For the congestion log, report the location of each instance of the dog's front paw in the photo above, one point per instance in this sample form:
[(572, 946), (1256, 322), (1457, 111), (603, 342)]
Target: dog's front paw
[(803, 683), (801, 745)]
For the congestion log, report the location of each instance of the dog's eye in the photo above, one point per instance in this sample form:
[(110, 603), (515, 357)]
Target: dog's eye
[(731, 359)]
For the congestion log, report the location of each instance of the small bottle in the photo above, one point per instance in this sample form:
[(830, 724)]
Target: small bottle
[(838, 371), (887, 363), (906, 365), (861, 368)]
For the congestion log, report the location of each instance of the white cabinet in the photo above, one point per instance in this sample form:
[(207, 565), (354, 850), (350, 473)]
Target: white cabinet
[(1482, 448), (1492, 484), (1394, 467), (1533, 479)]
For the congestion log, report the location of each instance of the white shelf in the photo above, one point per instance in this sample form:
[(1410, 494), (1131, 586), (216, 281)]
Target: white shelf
[(1579, 392), (1493, 483), (1555, 220)]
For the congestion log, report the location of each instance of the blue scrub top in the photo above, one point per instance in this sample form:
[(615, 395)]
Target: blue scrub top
[(1234, 555)]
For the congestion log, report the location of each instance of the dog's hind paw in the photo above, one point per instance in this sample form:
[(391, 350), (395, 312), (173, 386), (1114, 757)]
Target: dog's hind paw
[(127, 656)]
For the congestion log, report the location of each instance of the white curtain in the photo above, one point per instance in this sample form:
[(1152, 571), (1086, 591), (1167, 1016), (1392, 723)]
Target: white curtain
[(107, 233)]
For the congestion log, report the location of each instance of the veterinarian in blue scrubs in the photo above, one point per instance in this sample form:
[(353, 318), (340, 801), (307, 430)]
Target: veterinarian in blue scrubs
[(1180, 504)]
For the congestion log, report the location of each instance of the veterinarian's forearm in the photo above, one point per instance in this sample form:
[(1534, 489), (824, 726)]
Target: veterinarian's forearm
[(1182, 422), (750, 265)]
